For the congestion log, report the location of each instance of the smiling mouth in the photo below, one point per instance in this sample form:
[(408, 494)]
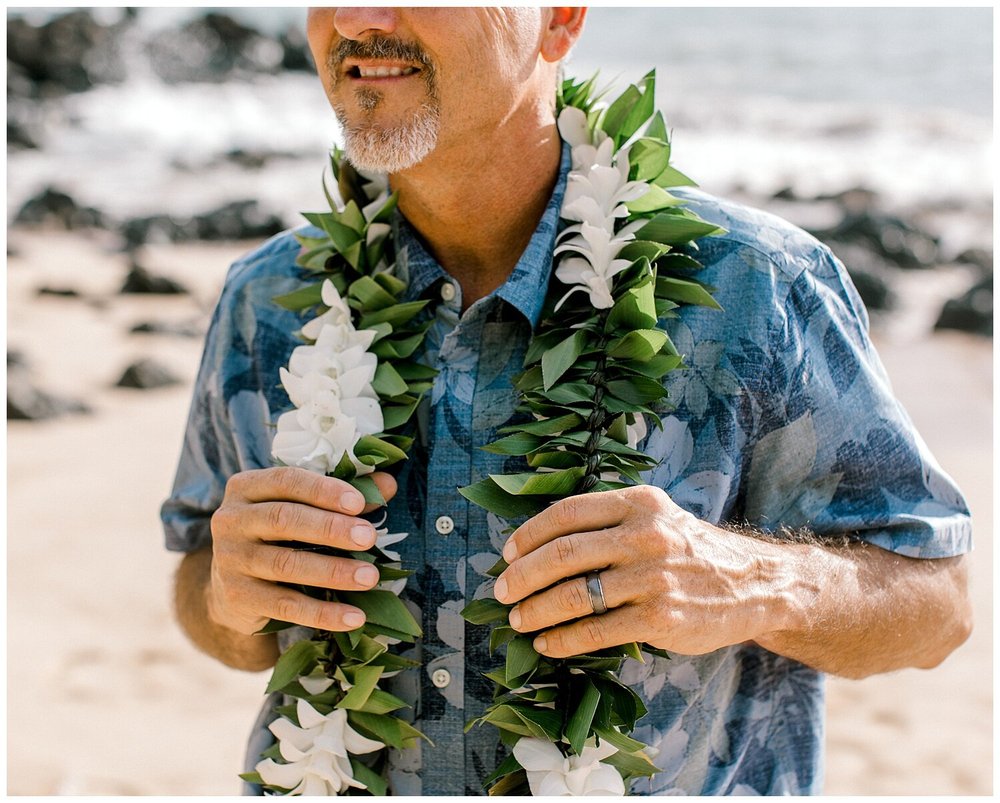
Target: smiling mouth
[(359, 71)]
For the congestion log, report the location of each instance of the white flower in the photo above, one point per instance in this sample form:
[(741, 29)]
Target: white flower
[(329, 383), (551, 773), (597, 266), (598, 194), (382, 539), (316, 751), (586, 150)]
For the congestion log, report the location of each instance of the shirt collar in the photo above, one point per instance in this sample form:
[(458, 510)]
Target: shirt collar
[(525, 287)]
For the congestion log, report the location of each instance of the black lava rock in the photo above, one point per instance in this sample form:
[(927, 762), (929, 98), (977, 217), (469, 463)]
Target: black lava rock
[(869, 273), (140, 280), (58, 292), (979, 257), (893, 239), (168, 328), (146, 374), (214, 47), (53, 206), (25, 402), (70, 53), (971, 312), (238, 220)]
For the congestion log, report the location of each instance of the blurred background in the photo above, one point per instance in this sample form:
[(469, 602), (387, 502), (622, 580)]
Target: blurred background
[(148, 148)]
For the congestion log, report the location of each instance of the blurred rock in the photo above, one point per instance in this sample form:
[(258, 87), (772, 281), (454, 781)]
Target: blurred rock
[(895, 240), (70, 53), (869, 273), (979, 257), (60, 292), (140, 280), (214, 47), (296, 54), (238, 220), (53, 206), (971, 312), (18, 137), (146, 374), (26, 402), (16, 359), (168, 328), (854, 200)]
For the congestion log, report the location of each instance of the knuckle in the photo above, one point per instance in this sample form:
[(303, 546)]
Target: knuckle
[(280, 518), (574, 596), (566, 549), (593, 630), (285, 563), (564, 512), (289, 609), (646, 497)]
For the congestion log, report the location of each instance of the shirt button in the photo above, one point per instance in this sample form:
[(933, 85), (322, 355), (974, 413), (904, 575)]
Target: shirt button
[(441, 678), (444, 525), (448, 291)]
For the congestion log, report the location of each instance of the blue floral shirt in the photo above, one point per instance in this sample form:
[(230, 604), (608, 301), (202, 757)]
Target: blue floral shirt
[(784, 418)]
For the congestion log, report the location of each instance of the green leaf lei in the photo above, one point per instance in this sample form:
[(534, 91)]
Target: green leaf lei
[(590, 374)]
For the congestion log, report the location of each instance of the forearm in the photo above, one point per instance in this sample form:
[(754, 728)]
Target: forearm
[(858, 610), (252, 653)]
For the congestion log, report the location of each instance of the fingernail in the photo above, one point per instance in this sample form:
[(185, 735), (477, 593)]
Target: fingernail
[(510, 551), (515, 619), (539, 644), (500, 589), (366, 576), (352, 501), (354, 619), (362, 536)]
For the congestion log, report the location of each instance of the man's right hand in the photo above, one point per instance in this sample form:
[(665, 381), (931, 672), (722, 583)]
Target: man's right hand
[(261, 510)]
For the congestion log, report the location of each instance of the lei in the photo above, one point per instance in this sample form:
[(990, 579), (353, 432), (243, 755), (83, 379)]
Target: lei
[(593, 372)]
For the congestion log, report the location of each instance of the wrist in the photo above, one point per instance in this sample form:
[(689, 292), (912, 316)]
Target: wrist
[(791, 575)]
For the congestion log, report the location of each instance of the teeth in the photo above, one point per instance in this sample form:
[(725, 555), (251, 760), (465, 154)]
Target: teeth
[(385, 72)]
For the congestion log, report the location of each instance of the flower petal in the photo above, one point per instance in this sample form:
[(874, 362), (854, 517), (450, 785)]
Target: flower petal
[(538, 754)]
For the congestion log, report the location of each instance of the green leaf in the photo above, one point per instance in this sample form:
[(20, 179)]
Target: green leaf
[(570, 393), (374, 783), (371, 294), (640, 344), (633, 764), (648, 158), (553, 483), (381, 702), (391, 284), (365, 680), (625, 743), (672, 177), (383, 608), (506, 767), (618, 112), (657, 198), (687, 291), (301, 299), (351, 216), (369, 490), (296, 660), (397, 315), (274, 626), (637, 390), (578, 727), (343, 237), (487, 494), (395, 415), (253, 777), (387, 729), (657, 128), (676, 227), (485, 611), (556, 361), (545, 722), (369, 443), (503, 717), (521, 657), (547, 426), (388, 382), (500, 635), (636, 309), (520, 443), (637, 249)]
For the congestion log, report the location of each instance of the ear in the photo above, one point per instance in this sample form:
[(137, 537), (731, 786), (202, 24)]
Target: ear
[(562, 28)]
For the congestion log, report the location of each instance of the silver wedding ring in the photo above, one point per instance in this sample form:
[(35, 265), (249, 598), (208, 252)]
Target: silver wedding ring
[(596, 592)]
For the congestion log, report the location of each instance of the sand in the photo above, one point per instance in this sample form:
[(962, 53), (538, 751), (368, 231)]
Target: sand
[(106, 696)]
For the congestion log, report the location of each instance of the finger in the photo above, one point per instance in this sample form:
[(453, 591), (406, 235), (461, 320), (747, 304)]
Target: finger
[(574, 514), (386, 485), (300, 567), (593, 633), (571, 600), (288, 605), (296, 485), (566, 556), (288, 521)]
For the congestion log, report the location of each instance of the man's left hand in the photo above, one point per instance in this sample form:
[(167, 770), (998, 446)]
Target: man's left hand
[(669, 579)]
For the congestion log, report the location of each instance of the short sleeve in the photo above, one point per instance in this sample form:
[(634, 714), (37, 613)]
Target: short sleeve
[(236, 393), (850, 461)]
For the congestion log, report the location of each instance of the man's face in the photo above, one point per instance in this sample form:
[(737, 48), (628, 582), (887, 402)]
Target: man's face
[(404, 81)]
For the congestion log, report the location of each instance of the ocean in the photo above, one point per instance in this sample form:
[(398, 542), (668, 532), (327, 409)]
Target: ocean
[(898, 100)]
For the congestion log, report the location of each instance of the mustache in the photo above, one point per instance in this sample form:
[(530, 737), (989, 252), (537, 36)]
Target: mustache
[(380, 47)]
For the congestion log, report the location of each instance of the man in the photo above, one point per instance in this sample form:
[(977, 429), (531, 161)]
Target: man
[(784, 421)]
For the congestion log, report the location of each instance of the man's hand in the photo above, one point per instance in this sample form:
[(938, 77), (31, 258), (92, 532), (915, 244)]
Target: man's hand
[(263, 510), (668, 578)]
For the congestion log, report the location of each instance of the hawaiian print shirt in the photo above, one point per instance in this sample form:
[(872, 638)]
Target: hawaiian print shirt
[(784, 418)]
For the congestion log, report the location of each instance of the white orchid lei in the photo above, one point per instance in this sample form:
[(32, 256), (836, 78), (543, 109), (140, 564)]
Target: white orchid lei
[(592, 374)]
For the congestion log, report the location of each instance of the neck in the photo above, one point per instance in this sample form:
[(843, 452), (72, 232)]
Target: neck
[(477, 204)]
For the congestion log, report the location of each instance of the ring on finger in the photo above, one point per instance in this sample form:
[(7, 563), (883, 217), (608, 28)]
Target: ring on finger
[(596, 592)]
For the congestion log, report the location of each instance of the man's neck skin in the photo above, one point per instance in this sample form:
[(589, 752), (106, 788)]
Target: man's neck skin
[(477, 204)]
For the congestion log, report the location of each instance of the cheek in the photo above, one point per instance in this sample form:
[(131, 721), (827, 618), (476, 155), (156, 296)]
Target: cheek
[(319, 33)]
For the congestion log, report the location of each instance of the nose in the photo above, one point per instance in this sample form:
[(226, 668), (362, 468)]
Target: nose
[(356, 23)]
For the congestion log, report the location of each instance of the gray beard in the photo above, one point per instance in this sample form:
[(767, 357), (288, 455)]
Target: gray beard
[(390, 150)]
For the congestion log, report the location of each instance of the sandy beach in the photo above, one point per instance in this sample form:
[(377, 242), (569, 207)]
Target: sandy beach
[(106, 696)]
